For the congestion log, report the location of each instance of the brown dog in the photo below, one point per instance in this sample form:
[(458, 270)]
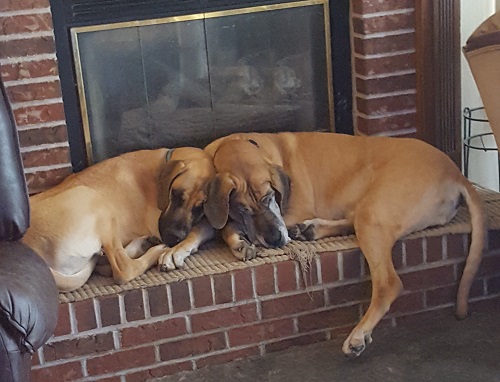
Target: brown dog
[(123, 201), (324, 184)]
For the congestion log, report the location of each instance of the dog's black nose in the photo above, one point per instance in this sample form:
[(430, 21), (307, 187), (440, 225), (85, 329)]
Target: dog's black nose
[(274, 238)]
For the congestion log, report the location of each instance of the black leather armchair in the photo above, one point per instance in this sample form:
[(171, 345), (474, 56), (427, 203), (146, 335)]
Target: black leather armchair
[(28, 293)]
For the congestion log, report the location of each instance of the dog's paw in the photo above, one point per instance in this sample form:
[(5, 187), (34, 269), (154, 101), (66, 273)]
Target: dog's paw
[(173, 258), (244, 250), (355, 345), (302, 232)]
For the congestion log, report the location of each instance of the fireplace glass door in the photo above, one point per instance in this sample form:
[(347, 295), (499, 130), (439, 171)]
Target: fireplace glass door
[(184, 81)]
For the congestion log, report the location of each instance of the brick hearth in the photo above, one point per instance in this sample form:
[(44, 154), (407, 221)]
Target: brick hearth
[(143, 334)]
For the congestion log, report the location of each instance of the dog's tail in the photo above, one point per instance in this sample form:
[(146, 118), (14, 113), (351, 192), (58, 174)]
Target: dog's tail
[(478, 222)]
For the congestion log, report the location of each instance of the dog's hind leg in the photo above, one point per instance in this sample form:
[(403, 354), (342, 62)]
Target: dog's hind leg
[(67, 283), (376, 242)]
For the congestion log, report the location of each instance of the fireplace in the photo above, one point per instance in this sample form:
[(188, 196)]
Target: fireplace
[(183, 74)]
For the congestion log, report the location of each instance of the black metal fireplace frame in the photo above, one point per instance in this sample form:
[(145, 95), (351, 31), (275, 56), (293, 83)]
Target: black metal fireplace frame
[(73, 13)]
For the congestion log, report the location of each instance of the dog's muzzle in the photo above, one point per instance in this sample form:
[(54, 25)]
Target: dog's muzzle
[(172, 232)]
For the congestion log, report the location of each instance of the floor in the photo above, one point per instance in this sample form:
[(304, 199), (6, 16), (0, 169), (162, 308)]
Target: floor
[(443, 350)]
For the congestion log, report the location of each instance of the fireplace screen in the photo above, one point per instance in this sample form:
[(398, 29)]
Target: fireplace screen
[(184, 81)]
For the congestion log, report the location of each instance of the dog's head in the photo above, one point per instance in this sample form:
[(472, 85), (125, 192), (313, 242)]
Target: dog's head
[(250, 190), (183, 181)]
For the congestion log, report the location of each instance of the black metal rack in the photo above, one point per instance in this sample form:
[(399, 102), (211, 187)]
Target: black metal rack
[(475, 141)]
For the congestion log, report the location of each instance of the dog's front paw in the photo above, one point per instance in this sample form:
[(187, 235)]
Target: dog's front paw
[(244, 250), (303, 232), (172, 258)]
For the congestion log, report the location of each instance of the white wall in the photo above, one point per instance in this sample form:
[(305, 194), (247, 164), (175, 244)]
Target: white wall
[(483, 166)]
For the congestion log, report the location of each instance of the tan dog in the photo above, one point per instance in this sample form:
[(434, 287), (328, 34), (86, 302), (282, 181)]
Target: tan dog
[(324, 184), (123, 201)]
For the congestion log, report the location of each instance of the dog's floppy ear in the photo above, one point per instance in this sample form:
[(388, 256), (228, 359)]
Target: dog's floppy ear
[(281, 184), (166, 174), (217, 205)]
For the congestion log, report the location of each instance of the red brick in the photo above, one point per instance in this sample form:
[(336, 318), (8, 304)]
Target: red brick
[(25, 23), (494, 285), (301, 340), (227, 357), (16, 5), (414, 252), (42, 180), (288, 305), (408, 302), (202, 291), (384, 65), (63, 322), (493, 239), (223, 288), (243, 288), (329, 267), (110, 379), (110, 310), (121, 360), (192, 346), (85, 315), (391, 124), (61, 373), (448, 294), (134, 305), (39, 114), (35, 360), (398, 82), (385, 44), (386, 23), (385, 105), (46, 157), (364, 7), (29, 69), (397, 256), (34, 92), (169, 328), (351, 260), (27, 47), (285, 272), (76, 347), (337, 317), (455, 246), (490, 266), (158, 372), (264, 279), (349, 293), (158, 301), (180, 296), (224, 318), (44, 135), (486, 305), (428, 278), (434, 248), (254, 334)]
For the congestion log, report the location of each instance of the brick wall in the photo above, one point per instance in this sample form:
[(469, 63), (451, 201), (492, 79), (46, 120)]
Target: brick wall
[(383, 35), (383, 65), (142, 334), (28, 67)]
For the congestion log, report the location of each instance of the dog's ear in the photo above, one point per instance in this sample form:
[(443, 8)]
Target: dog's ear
[(281, 185), (217, 205), (166, 174)]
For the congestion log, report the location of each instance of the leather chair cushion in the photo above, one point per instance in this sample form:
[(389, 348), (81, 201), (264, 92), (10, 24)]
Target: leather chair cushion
[(28, 295)]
